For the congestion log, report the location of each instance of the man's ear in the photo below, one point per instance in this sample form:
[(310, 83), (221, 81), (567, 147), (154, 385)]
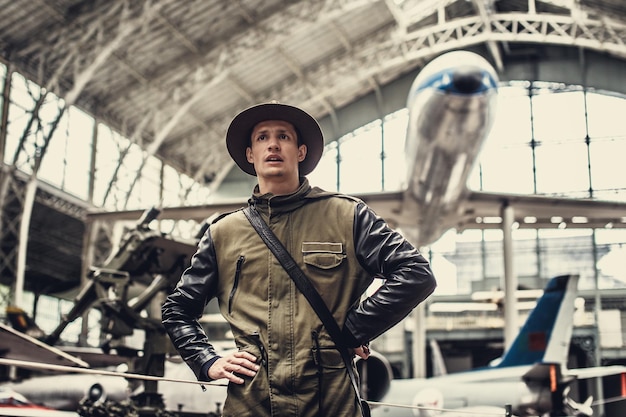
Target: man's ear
[(301, 152), (249, 155)]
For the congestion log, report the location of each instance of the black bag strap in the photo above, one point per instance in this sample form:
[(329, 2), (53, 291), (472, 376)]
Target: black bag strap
[(311, 294)]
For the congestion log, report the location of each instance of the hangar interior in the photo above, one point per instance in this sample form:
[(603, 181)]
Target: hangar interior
[(110, 108)]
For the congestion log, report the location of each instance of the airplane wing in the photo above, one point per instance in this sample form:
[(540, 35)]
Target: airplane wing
[(476, 210), (19, 346), (386, 204), (24, 325), (96, 357), (482, 210), (14, 404), (34, 412), (599, 371), (198, 213)]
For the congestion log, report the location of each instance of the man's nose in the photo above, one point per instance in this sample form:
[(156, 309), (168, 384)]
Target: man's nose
[(273, 143)]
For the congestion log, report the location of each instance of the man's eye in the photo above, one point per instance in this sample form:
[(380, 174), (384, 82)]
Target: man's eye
[(261, 137)]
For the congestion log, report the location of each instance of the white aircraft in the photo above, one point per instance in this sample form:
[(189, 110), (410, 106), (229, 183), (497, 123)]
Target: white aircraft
[(68, 385), (532, 377), (14, 404), (15, 398)]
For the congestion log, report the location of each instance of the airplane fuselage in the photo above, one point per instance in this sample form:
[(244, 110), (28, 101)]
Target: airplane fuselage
[(451, 106), (463, 391)]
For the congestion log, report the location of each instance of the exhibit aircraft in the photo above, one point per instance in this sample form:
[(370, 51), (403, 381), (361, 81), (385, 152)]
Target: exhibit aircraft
[(13, 404), (532, 376)]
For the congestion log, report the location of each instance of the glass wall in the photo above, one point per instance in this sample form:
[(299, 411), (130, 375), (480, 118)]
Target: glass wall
[(124, 176)]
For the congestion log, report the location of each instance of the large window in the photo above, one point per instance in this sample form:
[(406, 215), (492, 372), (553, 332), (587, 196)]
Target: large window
[(40, 127)]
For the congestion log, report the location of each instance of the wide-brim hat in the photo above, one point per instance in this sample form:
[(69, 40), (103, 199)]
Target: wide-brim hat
[(309, 133)]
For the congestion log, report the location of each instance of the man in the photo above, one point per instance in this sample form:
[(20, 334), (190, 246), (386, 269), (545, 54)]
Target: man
[(287, 364)]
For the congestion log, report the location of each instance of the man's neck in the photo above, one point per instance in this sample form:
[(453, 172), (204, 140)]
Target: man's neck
[(278, 187)]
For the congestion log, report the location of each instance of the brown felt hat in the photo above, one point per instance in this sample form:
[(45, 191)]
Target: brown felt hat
[(240, 131)]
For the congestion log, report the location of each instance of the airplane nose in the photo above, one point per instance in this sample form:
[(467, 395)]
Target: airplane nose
[(467, 81)]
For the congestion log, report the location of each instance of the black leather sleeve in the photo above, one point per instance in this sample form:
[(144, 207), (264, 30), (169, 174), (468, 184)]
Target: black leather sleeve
[(184, 306), (408, 278)]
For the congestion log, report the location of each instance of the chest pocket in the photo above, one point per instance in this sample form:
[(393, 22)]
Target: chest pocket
[(323, 255)]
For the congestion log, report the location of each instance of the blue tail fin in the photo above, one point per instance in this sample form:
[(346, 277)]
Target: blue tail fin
[(546, 335)]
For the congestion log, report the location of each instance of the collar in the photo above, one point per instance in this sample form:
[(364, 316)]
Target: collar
[(269, 204)]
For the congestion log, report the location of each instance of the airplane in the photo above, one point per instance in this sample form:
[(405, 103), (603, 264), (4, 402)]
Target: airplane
[(531, 378), (98, 391), (68, 387), (20, 347), (14, 404)]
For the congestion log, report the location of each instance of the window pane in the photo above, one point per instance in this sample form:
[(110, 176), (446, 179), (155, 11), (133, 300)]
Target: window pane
[(148, 187), (109, 150), (562, 169), (566, 252), (607, 165), (606, 116), (506, 170), (395, 157), (611, 244), (171, 187), (505, 161), (511, 124), (325, 173), (361, 167), (78, 157), (559, 116)]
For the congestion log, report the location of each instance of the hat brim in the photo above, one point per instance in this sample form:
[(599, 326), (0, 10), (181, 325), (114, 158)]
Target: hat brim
[(240, 131)]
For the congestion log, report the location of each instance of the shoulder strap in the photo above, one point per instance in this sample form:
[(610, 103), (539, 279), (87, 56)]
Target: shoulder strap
[(305, 286)]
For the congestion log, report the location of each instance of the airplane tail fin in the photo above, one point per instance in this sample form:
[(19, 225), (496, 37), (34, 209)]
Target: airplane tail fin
[(439, 366), (546, 335)]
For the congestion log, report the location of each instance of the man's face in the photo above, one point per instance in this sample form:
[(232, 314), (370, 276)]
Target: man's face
[(274, 149)]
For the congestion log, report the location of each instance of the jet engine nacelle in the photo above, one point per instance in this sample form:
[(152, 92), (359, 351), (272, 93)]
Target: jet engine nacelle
[(375, 375), (95, 394)]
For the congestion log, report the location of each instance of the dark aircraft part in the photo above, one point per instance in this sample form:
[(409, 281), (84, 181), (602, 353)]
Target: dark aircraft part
[(22, 322), (375, 375), (146, 253), (552, 390), (96, 394), (147, 261), (147, 216), (142, 254), (82, 302), (467, 80), (118, 409)]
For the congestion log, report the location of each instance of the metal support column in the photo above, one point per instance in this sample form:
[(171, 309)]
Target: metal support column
[(510, 279)]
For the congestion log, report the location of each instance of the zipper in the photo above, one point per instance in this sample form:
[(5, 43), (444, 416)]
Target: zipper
[(317, 358), (257, 339), (233, 291)]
